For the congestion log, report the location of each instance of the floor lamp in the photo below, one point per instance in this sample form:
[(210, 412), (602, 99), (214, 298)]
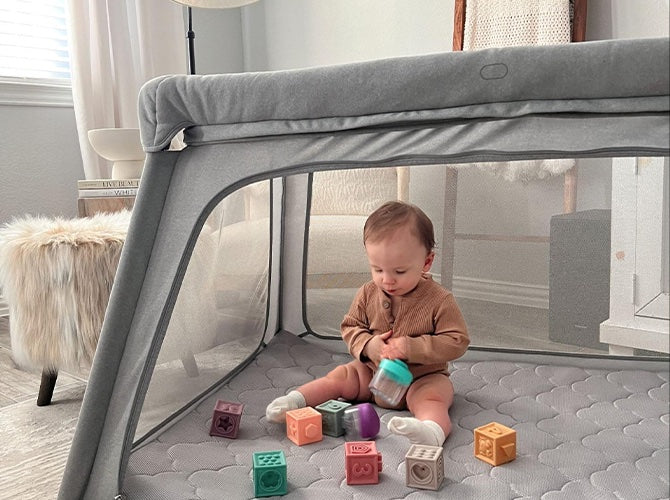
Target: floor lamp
[(205, 4)]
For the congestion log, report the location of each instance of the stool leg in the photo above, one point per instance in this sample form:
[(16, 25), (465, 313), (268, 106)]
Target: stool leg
[(190, 364), (47, 387)]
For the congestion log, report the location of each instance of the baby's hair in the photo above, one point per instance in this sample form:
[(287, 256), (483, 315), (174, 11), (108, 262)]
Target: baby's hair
[(393, 215)]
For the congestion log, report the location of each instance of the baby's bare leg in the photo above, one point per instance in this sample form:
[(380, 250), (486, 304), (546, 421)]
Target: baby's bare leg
[(429, 400), (348, 381)]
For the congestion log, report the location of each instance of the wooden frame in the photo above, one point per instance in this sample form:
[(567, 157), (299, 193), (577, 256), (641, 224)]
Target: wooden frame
[(570, 177), (578, 35)]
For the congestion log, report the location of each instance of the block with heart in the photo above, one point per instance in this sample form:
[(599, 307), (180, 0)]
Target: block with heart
[(424, 466)]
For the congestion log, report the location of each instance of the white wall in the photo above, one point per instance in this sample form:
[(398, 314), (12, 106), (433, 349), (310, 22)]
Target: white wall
[(608, 19), (39, 161), (218, 41), (301, 33)]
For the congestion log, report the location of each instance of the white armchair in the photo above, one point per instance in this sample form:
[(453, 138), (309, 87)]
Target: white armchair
[(341, 202)]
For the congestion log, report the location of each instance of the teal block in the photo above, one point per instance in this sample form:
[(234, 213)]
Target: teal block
[(269, 473), (332, 413)]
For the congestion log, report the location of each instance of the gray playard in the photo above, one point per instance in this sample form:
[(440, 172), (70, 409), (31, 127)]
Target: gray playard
[(245, 250)]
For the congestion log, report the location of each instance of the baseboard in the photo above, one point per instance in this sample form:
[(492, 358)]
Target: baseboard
[(503, 292)]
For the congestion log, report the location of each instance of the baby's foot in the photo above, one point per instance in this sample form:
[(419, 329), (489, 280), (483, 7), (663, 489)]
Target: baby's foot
[(424, 432), (276, 411)]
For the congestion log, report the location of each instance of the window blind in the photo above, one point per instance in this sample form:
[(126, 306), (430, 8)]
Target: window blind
[(33, 39)]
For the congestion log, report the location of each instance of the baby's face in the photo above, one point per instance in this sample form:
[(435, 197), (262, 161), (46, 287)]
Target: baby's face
[(398, 261)]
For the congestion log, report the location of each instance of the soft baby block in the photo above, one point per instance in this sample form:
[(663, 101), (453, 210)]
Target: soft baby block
[(303, 426), (424, 467), (332, 417), (226, 419), (362, 462), (269, 473), (495, 443), (361, 422)]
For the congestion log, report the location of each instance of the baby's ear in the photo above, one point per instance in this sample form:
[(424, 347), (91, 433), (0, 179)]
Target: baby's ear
[(428, 262)]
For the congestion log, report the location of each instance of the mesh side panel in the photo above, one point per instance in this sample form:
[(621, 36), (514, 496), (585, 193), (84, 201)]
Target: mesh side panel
[(527, 272), (219, 315)]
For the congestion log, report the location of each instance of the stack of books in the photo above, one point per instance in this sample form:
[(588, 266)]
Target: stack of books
[(107, 188)]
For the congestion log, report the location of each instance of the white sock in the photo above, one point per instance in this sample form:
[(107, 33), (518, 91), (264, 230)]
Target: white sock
[(417, 431), (276, 411)]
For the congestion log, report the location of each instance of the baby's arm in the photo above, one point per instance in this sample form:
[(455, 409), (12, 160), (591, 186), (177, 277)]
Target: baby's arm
[(395, 348), (362, 344), (355, 326), (376, 346), (449, 341)]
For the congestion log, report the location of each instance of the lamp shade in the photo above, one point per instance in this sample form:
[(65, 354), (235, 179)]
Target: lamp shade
[(215, 4)]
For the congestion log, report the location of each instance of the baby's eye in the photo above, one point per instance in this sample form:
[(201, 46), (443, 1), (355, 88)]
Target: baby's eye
[(401, 272)]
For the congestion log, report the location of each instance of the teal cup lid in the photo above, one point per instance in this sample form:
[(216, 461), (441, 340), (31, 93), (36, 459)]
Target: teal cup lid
[(396, 370)]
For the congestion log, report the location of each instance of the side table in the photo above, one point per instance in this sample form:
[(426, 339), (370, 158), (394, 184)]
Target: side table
[(90, 206)]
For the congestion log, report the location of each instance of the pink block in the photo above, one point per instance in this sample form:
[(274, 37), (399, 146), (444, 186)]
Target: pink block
[(362, 462), (226, 419)]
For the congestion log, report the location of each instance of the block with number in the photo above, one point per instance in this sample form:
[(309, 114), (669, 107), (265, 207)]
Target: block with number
[(362, 462)]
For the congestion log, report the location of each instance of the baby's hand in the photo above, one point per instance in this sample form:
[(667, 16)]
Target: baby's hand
[(395, 348), (373, 349)]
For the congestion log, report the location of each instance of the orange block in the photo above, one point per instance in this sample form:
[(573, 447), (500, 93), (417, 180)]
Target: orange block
[(495, 443), (304, 426)]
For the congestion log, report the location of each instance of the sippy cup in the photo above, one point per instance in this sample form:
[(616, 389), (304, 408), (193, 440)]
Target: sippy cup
[(391, 381), (361, 422)]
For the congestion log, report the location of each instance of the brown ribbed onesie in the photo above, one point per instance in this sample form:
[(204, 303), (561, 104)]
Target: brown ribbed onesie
[(428, 316)]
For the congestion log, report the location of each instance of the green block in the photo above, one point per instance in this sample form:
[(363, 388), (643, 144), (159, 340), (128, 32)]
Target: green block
[(332, 416), (269, 473)]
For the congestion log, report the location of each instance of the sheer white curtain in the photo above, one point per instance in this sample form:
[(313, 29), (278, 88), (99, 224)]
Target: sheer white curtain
[(115, 47)]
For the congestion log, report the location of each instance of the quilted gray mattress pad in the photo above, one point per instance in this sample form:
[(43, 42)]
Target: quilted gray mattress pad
[(585, 429)]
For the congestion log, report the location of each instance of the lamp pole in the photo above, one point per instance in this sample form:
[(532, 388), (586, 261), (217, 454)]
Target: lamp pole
[(210, 4), (191, 43)]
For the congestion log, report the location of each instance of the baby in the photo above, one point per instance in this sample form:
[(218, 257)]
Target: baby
[(401, 314)]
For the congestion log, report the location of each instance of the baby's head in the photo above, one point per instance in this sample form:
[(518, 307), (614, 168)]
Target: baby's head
[(399, 241), (393, 215)]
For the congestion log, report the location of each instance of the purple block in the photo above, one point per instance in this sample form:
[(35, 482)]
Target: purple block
[(226, 419), (361, 422)]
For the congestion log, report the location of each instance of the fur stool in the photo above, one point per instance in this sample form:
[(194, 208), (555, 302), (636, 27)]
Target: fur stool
[(56, 275)]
